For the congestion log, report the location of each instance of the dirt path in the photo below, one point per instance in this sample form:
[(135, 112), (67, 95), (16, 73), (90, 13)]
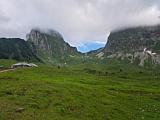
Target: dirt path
[(6, 70)]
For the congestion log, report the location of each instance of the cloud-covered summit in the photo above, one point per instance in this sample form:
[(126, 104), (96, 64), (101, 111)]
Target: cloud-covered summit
[(79, 21)]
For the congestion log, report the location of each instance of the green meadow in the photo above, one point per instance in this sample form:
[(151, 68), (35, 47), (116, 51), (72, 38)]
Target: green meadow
[(89, 90)]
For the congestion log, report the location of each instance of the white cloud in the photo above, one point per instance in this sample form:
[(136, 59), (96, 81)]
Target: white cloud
[(79, 21)]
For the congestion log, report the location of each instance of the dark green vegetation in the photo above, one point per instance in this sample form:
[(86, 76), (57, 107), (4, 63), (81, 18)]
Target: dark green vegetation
[(90, 90), (17, 49)]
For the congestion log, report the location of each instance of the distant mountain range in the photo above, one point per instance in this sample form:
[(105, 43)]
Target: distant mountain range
[(139, 46)]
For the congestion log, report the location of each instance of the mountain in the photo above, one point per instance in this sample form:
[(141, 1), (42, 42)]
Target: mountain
[(139, 45), (51, 46), (134, 39), (99, 53), (17, 49)]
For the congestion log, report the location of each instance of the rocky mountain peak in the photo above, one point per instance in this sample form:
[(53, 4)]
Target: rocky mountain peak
[(49, 32), (134, 39), (51, 44), (140, 45)]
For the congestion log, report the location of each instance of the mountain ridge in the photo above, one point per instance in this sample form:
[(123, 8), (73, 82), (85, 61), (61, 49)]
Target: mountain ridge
[(133, 39), (51, 46), (138, 46)]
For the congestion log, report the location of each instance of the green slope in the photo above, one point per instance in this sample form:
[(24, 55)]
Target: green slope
[(47, 93), (7, 63)]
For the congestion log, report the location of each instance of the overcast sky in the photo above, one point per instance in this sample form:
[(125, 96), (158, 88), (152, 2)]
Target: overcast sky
[(80, 22)]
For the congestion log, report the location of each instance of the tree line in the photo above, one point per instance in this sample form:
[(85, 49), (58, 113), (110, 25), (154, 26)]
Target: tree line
[(17, 49)]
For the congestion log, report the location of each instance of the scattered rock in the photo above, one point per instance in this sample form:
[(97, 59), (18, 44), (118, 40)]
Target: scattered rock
[(19, 109)]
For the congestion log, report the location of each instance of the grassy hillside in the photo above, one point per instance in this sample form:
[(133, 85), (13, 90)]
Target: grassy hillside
[(6, 63), (61, 94), (104, 66)]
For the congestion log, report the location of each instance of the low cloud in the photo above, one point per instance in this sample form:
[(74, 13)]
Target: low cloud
[(79, 21)]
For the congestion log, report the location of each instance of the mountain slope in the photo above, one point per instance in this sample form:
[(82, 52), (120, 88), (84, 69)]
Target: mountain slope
[(134, 39), (139, 46), (51, 45), (17, 49)]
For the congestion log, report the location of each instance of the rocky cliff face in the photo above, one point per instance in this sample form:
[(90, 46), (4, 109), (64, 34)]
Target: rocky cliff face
[(134, 39), (138, 45), (50, 43)]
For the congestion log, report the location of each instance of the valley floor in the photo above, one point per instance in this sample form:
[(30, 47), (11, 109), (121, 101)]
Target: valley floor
[(59, 94)]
